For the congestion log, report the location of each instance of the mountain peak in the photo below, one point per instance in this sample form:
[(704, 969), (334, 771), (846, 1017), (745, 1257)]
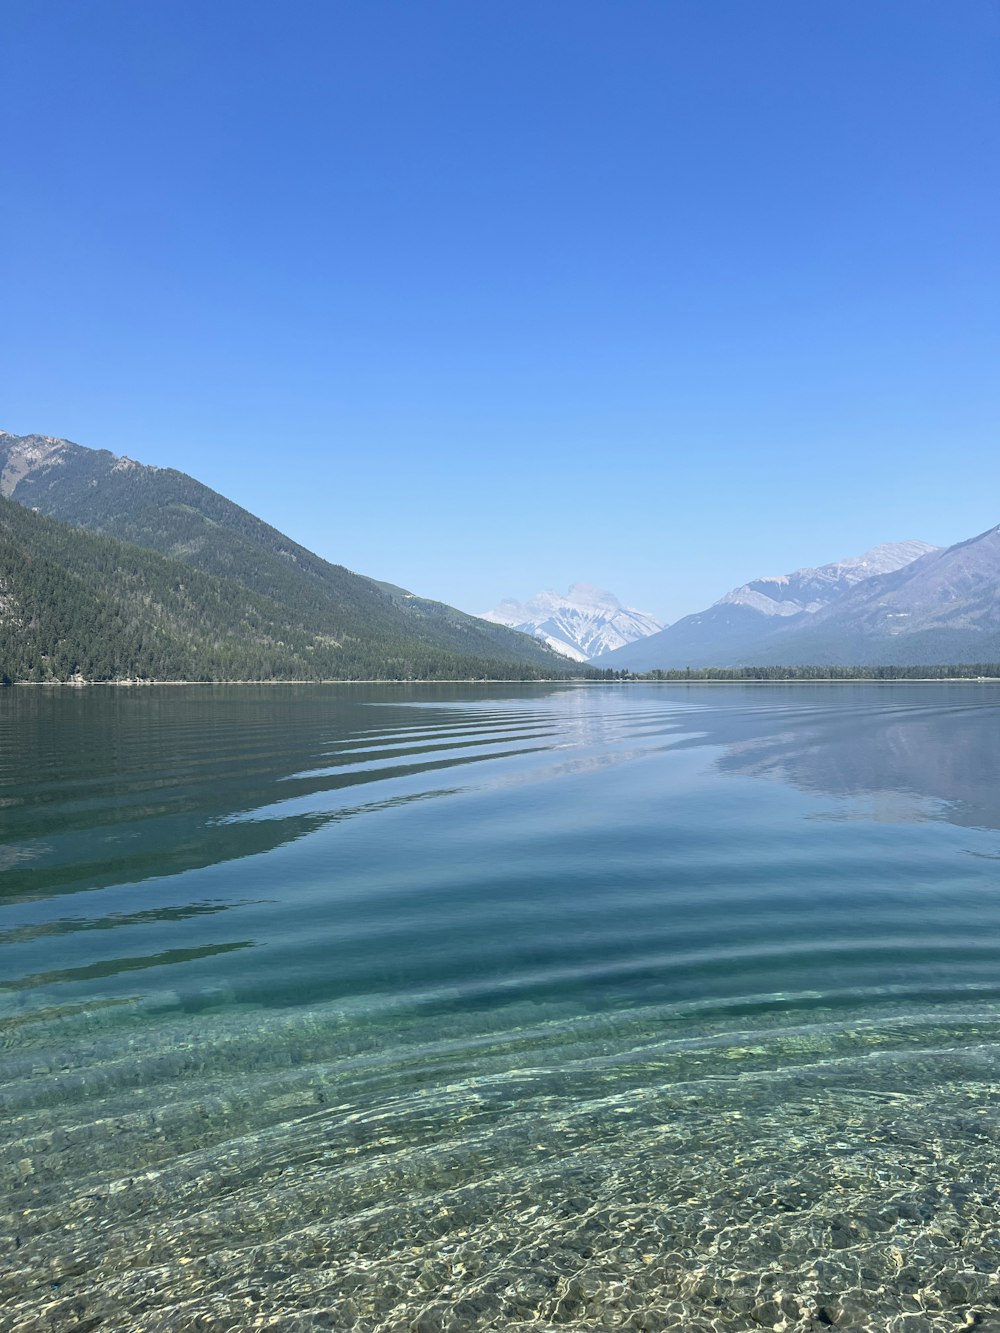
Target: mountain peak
[(811, 588), (25, 455), (588, 594), (337, 622), (580, 623), (764, 620)]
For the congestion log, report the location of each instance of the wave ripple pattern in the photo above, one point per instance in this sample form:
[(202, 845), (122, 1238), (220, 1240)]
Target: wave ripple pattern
[(459, 1008)]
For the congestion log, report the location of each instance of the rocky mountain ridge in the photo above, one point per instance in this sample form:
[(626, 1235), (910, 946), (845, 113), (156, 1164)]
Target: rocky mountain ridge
[(942, 607), (580, 623), (904, 602), (811, 589)]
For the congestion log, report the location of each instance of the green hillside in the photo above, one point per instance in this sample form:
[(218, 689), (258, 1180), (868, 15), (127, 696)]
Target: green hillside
[(77, 603), (169, 512)]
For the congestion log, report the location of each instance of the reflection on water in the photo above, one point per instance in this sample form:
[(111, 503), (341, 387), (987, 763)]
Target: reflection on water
[(115, 786), (903, 755), (456, 1008)]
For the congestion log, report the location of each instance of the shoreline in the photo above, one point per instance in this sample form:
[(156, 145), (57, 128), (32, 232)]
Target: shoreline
[(500, 680)]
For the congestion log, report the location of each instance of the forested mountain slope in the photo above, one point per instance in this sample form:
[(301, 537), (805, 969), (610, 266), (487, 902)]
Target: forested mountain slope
[(171, 513), (75, 603)]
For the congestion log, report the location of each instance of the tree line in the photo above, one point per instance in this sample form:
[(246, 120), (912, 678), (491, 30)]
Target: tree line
[(954, 671), (77, 604)]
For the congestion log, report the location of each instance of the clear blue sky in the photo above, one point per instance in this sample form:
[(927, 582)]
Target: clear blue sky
[(485, 297)]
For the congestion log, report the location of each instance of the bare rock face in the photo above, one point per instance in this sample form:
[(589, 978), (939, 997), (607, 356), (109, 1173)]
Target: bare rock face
[(23, 456), (942, 608), (580, 623), (811, 589)]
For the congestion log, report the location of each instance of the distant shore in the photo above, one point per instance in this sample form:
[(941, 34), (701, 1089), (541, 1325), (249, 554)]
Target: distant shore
[(500, 680)]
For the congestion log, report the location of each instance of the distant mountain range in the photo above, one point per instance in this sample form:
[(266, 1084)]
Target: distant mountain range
[(944, 607), (811, 589), (903, 603), (580, 624), (226, 596), (111, 569)]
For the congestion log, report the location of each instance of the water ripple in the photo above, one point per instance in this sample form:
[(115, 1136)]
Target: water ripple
[(460, 1008)]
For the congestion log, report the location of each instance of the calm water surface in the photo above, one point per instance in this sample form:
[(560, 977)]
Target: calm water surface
[(448, 1008)]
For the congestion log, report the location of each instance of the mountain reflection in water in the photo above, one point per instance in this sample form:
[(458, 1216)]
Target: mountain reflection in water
[(466, 1007)]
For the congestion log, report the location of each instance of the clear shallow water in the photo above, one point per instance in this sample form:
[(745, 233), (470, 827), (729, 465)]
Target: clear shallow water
[(456, 1008)]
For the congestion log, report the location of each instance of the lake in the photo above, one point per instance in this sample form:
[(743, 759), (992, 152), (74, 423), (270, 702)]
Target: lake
[(456, 1007)]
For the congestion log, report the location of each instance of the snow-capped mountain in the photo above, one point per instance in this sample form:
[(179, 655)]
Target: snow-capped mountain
[(580, 623), (942, 608), (811, 589), (740, 627)]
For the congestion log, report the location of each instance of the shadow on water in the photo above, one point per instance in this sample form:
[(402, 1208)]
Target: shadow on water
[(626, 1007), (104, 787), (648, 869), (113, 786)]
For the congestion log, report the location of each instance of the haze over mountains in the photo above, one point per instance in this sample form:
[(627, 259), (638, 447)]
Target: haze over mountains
[(903, 603), (944, 607), (264, 607), (812, 589), (111, 569), (581, 623)]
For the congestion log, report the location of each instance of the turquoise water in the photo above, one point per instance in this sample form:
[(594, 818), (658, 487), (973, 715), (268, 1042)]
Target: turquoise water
[(448, 1008)]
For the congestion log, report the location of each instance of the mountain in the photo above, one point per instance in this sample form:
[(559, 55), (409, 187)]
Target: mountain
[(944, 607), (811, 589), (165, 511), (581, 623), (739, 628), (78, 605)]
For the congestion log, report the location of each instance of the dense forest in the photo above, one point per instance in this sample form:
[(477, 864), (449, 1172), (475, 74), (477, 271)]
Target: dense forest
[(976, 671), (74, 604), (177, 516), (162, 578)]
